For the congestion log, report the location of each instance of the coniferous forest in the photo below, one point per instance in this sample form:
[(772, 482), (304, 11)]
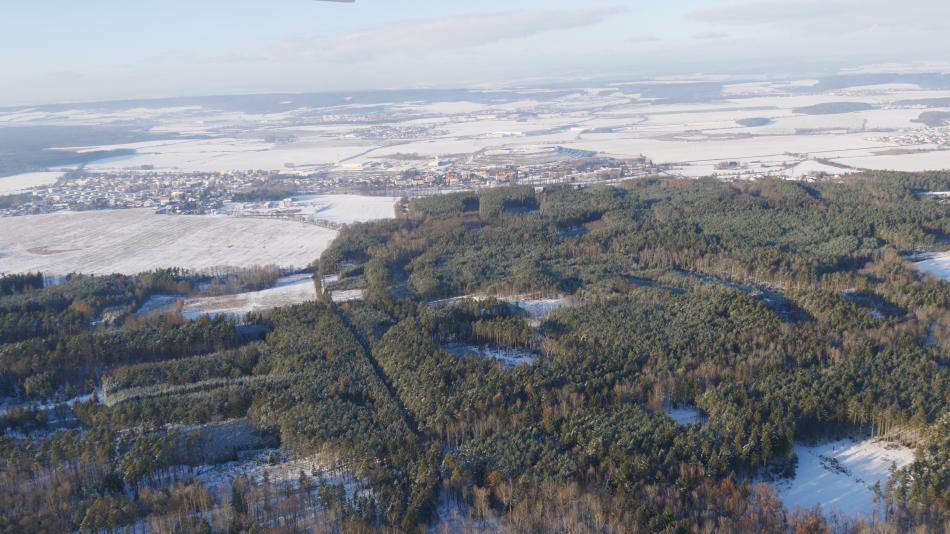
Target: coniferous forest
[(782, 312)]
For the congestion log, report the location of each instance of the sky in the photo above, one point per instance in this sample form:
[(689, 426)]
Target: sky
[(68, 51)]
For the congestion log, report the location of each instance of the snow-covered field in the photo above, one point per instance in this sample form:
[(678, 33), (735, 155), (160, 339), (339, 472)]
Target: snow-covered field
[(938, 265), (338, 209), (690, 134), (21, 183), (911, 162), (289, 290), (133, 241), (220, 154), (840, 476)]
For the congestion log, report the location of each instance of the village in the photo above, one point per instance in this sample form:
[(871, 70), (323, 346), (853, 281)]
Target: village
[(206, 193)]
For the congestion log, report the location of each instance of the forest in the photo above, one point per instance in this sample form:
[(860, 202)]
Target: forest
[(783, 312)]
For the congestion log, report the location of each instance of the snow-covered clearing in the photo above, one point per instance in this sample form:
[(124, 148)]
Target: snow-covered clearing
[(454, 300), (684, 415), (508, 356), (281, 469), (157, 304), (134, 241), (21, 183), (221, 441), (289, 290), (348, 295), (453, 515), (43, 406), (840, 476), (538, 309), (812, 168), (938, 265)]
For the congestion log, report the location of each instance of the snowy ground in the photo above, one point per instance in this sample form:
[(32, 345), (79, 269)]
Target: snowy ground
[(158, 304), (693, 136), (221, 441), (280, 468), (348, 295), (336, 209), (289, 290), (44, 406), (840, 476), (509, 357), (21, 183), (684, 415), (938, 265), (453, 300), (910, 162), (134, 241), (813, 168), (452, 515), (228, 153), (537, 309)]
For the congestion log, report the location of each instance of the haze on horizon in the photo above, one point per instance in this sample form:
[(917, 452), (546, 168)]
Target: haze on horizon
[(109, 49)]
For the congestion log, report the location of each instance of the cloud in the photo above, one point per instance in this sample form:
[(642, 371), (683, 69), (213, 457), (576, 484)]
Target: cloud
[(648, 38), (711, 36), (802, 34), (774, 11), (230, 58), (182, 57), (846, 14), (426, 36)]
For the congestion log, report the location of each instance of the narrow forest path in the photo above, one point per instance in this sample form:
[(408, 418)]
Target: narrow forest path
[(380, 374)]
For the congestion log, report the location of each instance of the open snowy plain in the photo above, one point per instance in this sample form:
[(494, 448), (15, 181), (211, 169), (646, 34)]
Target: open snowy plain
[(137, 240), (133, 241), (737, 128), (765, 126)]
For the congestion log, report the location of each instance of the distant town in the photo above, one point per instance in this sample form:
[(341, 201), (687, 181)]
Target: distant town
[(207, 193)]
